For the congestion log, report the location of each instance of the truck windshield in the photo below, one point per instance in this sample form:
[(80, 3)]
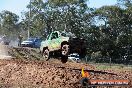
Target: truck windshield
[(54, 35), (30, 39), (47, 37)]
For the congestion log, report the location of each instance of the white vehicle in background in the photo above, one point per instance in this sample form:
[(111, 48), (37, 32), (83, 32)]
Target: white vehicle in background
[(74, 57)]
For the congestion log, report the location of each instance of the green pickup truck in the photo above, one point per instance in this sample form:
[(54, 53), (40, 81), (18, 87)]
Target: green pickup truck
[(61, 44)]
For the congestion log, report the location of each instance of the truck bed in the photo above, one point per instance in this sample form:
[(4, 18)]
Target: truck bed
[(78, 45)]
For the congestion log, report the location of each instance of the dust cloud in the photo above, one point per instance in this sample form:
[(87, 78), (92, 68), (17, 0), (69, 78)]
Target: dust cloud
[(4, 52), (13, 43)]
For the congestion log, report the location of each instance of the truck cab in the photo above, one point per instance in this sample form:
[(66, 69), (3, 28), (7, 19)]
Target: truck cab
[(53, 41)]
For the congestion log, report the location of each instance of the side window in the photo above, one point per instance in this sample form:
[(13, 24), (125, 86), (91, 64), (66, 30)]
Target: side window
[(54, 35), (37, 40), (47, 37), (63, 34)]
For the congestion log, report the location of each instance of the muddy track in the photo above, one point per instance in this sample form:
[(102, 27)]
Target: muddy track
[(27, 72), (42, 74)]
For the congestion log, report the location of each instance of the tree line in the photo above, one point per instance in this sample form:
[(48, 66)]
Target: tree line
[(107, 30)]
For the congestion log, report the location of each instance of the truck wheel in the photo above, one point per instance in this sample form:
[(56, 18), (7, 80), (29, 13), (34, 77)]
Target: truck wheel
[(46, 54), (65, 49), (64, 59), (64, 53)]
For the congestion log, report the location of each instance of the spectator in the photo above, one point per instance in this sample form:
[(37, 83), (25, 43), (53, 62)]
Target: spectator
[(19, 40)]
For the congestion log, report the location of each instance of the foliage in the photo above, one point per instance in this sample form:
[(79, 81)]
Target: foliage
[(8, 23)]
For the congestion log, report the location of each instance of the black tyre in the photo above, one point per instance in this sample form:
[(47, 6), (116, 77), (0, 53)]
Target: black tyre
[(64, 59), (64, 53), (46, 54), (65, 49)]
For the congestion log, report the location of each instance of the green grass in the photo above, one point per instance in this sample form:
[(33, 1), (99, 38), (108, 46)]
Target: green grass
[(106, 66)]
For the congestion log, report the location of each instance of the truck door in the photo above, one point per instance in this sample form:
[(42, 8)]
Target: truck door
[(55, 42), (37, 43)]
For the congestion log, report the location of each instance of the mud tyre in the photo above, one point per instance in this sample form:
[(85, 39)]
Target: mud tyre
[(64, 53), (64, 59), (65, 49), (46, 54)]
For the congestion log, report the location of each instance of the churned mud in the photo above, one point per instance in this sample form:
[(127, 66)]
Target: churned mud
[(24, 71)]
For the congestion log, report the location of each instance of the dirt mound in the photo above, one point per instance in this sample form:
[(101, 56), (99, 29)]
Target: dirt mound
[(29, 70), (37, 73), (24, 53), (42, 74)]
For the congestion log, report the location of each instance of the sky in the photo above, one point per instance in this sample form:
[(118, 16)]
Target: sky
[(99, 3), (18, 6)]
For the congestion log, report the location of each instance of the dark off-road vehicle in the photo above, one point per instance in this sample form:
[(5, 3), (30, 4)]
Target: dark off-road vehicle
[(61, 45)]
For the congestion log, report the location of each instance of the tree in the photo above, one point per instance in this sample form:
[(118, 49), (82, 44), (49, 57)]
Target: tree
[(62, 15), (125, 3), (9, 22)]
